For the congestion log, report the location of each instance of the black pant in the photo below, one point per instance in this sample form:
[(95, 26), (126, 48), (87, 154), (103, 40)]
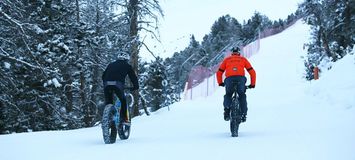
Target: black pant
[(109, 90), (241, 80)]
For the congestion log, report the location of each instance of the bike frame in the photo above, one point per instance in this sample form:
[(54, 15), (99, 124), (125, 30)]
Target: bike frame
[(236, 116), (117, 108), (111, 124)]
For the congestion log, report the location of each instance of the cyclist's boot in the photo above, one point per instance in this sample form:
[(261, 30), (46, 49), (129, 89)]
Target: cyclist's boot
[(227, 114), (126, 121), (244, 118)]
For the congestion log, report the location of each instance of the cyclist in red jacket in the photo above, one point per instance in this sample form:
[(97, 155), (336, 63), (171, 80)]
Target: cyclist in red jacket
[(233, 67)]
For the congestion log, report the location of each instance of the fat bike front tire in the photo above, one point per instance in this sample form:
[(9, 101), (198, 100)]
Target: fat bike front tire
[(109, 130), (235, 120), (124, 131)]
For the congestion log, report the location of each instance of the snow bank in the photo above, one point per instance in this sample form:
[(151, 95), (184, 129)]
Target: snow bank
[(337, 85)]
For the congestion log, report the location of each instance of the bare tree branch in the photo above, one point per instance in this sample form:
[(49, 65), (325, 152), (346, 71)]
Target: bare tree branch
[(148, 49), (152, 33)]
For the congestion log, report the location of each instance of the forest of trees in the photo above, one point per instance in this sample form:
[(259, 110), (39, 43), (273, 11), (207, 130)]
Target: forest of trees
[(333, 32), (53, 53)]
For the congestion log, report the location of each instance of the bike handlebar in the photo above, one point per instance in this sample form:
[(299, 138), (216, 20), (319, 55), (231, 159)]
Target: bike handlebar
[(247, 87)]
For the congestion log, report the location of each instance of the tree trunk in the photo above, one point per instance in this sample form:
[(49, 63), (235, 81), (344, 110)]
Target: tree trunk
[(347, 24), (133, 16), (48, 9), (325, 42), (82, 92), (95, 68), (68, 90)]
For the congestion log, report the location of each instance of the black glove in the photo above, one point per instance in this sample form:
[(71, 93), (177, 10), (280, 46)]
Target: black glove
[(251, 86), (221, 84)]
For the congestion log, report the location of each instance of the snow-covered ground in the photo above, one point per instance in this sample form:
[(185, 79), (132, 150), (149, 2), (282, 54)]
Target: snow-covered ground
[(289, 118)]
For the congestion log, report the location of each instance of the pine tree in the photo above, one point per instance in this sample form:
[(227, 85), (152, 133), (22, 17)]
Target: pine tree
[(253, 26), (330, 23), (66, 48), (157, 76), (39, 51)]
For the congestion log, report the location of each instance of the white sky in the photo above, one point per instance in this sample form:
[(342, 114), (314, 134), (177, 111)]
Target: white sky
[(186, 17)]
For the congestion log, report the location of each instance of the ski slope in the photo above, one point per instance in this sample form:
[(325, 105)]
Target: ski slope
[(289, 118)]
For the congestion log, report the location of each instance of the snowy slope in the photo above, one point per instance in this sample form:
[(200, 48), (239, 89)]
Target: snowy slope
[(188, 16), (288, 118)]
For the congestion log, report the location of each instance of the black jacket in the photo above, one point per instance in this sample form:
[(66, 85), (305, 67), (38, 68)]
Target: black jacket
[(118, 70)]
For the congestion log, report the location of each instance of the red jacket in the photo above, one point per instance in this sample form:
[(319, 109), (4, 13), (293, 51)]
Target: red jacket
[(234, 66)]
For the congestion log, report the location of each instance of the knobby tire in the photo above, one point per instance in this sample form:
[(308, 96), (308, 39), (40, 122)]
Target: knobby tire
[(124, 131), (235, 118), (109, 130)]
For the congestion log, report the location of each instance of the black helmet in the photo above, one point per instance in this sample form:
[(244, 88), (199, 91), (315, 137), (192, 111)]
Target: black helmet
[(235, 49), (123, 55)]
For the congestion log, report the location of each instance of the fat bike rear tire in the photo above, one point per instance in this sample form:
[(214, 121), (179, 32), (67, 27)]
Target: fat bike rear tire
[(109, 130)]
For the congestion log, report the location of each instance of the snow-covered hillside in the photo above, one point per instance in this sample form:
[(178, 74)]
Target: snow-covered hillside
[(289, 118)]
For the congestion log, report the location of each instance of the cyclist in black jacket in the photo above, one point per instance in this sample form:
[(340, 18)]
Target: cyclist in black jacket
[(114, 80)]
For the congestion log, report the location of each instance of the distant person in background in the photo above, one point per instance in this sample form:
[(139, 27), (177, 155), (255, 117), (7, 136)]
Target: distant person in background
[(316, 71), (233, 67)]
